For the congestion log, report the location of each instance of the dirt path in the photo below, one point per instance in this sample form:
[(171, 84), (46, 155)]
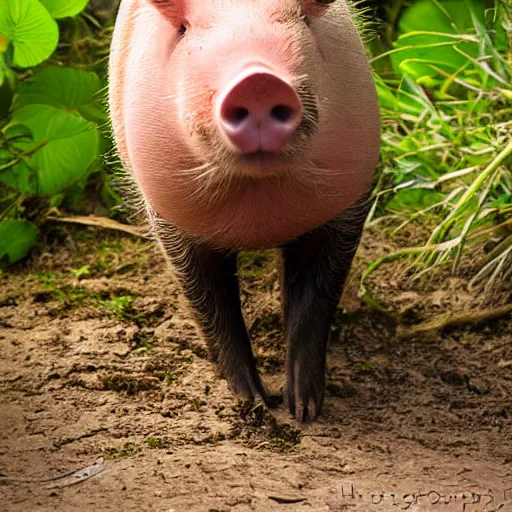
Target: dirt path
[(98, 359)]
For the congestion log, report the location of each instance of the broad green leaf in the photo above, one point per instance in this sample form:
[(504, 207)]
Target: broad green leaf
[(64, 8), (447, 16), (414, 199), (16, 239), (442, 20), (16, 131), (63, 148), (20, 177), (65, 88), (28, 26)]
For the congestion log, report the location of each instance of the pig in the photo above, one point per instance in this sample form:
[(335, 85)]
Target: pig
[(250, 124)]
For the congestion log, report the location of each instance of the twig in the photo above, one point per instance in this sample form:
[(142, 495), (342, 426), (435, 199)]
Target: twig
[(286, 499), (72, 477), (444, 321), (81, 475), (100, 222), (6, 478)]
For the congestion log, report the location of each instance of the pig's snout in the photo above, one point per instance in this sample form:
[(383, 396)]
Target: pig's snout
[(259, 112)]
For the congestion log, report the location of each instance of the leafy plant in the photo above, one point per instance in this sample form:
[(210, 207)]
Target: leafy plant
[(447, 143), (16, 239), (51, 120)]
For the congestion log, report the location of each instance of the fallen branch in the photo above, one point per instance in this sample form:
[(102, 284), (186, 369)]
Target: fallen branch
[(81, 475), (444, 321), (64, 480), (286, 499), (101, 222)]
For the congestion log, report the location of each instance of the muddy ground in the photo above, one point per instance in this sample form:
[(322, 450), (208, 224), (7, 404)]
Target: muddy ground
[(98, 359)]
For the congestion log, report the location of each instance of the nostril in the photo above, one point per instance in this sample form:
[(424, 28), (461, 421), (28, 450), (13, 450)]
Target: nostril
[(236, 116), (258, 111), (282, 113)]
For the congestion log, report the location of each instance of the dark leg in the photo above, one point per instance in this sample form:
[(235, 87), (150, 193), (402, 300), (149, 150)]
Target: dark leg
[(315, 267), (209, 282)]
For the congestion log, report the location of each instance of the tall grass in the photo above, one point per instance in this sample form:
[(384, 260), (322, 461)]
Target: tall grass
[(447, 145)]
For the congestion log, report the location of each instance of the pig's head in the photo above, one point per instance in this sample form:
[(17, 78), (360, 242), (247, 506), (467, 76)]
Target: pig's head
[(244, 122)]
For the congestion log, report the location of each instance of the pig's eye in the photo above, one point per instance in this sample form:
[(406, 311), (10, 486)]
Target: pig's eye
[(182, 30)]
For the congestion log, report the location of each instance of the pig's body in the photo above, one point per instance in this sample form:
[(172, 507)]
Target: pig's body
[(250, 124)]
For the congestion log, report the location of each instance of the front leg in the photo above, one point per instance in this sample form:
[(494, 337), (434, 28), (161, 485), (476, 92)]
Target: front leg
[(314, 271), (209, 282)]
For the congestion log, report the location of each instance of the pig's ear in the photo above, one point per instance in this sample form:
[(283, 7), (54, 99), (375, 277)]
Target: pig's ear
[(316, 7), (320, 2), (172, 9)]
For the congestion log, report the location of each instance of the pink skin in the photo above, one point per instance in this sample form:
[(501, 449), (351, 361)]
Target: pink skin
[(258, 112), (254, 181)]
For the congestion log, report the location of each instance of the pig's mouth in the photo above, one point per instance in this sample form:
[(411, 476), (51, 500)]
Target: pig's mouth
[(261, 157), (264, 164)]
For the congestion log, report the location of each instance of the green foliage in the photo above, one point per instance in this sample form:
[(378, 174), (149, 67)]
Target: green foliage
[(427, 33), (64, 9), (81, 272), (52, 117), (154, 442), (59, 152), (69, 89), (445, 92), (30, 30), (16, 239), (443, 77), (121, 307)]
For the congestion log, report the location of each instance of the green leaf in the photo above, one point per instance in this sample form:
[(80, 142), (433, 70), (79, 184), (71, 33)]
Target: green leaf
[(20, 177), (5, 156), (65, 88), (442, 20), (386, 97), (16, 239), (63, 148), (16, 131), (64, 8), (414, 199), (448, 16), (28, 26), (399, 101)]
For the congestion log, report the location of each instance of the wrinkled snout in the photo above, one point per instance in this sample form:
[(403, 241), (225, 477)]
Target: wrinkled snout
[(259, 111)]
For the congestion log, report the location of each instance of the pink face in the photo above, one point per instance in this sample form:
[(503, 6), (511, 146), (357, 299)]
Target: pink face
[(245, 122)]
